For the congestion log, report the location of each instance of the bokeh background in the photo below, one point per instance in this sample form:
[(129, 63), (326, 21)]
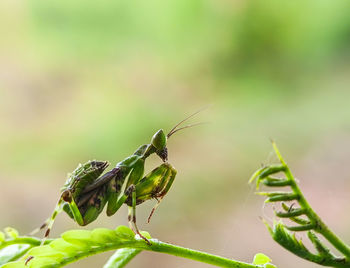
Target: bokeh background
[(84, 80)]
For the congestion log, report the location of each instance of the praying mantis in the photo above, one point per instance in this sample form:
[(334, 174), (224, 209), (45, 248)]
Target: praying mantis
[(86, 191)]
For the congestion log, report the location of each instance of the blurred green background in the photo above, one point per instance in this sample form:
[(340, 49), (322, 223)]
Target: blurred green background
[(84, 80)]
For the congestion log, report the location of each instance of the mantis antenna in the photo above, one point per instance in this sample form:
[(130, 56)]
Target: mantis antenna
[(174, 130)]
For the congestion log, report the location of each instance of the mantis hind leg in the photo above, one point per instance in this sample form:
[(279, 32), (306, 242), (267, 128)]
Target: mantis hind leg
[(49, 222), (37, 230), (65, 197)]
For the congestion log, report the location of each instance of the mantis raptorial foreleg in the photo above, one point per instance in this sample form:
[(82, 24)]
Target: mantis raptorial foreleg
[(170, 177), (154, 185)]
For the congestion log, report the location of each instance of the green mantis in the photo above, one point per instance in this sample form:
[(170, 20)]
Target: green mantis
[(86, 191)]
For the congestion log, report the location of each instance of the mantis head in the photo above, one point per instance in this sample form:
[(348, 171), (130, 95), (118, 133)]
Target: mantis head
[(159, 140)]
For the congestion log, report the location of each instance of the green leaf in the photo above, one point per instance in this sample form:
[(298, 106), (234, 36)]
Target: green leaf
[(124, 232), (11, 232), (269, 265), (291, 243), (103, 235), (14, 265), (43, 262), (320, 247), (77, 244), (80, 238), (48, 251), (284, 238), (121, 257), (260, 259), (12, 252), (13, 246), (63, 246), (2, 237)]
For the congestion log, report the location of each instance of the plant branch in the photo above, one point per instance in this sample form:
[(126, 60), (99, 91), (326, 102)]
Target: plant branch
[(312, 223), (77, 244)]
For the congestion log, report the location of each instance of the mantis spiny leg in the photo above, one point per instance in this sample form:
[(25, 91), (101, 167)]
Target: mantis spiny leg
[(49, 222), (65, 197), (37, 230), (119, 188), (132, 213), (167, 181)]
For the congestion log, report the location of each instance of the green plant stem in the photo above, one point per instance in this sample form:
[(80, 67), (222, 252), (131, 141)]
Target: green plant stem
[(158, 246), (162, 247), (321, 227), (334, 239)]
